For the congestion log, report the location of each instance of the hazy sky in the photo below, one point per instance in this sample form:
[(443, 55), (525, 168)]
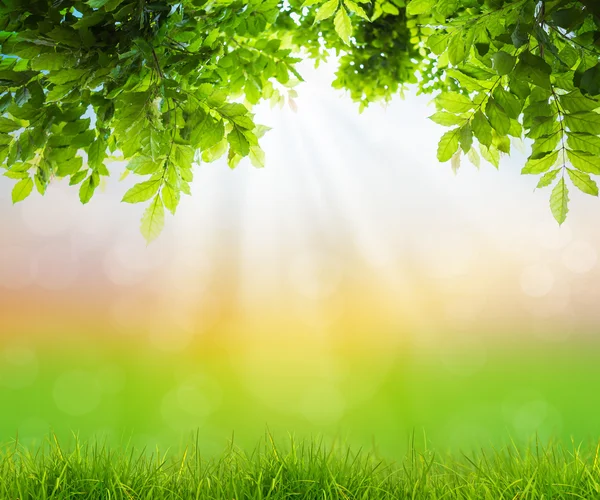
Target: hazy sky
[(351, 206)]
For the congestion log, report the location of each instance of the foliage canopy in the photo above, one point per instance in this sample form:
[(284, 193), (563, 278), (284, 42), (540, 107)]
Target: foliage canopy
[(165, 84)]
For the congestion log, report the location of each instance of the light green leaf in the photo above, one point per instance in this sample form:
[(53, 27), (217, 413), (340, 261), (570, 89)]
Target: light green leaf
[(491, 154), (152, 141), (22, 190), (474, 157), (559, 201), (257, 157), (584, 142), (447, 119), (238, 142), (545, 145), (574, 101), (343, 25), (417, 7), (97, 153), (153, 220), (456, 48), (448, 145), (438, 43), (454, 102), (466, 138), (87, 188), (356, 9), (584, 161), (548, 178), (540, 165), (586, 121), (326, 10), (170, 197), (455, 162), (77, 178), (142, 191), (144, 165), (583, 182)]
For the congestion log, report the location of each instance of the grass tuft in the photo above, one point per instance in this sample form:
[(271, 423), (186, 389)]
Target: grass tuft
[(305, 470)]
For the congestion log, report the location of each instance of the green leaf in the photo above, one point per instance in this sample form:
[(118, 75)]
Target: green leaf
[(152, 141), (153, 220), (534, 70), (511, 104), (326, 10), (65, 76), (356, 9), (8, 125), (438, 43), (499, 120), (96, 4), (448, 145), (583, 182), (455, 162), (50, 61), (283, 75), (584, 142), (208, 132), (503, 62), (482, 129), (559, 201), (474, 157), (543, 126), (97, 153), (456, 48), (22, 190), (417, 7), (590, 81), (574, 101), (545, 144), (454, 102), (142, 191), (491, 154), (238, 142), (257, 157), (466, 138), (144, 165), (170, 197), (87, 188), (585, 121), (447, 119), (584, 161), (540, 165), (77, 178), (548, 178), (343, 25)]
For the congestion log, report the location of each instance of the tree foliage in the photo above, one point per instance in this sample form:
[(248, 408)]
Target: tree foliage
[(165, 84)]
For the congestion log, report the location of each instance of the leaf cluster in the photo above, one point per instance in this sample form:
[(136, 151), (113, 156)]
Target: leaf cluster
[(164, 85)]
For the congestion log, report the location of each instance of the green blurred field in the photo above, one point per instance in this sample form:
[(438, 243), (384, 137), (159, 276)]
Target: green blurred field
[(470, 398)]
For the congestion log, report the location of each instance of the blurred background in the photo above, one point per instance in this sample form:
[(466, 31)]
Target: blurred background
[(354, 288)]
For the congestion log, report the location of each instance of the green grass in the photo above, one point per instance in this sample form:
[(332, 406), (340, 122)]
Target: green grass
[(307, 470)]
